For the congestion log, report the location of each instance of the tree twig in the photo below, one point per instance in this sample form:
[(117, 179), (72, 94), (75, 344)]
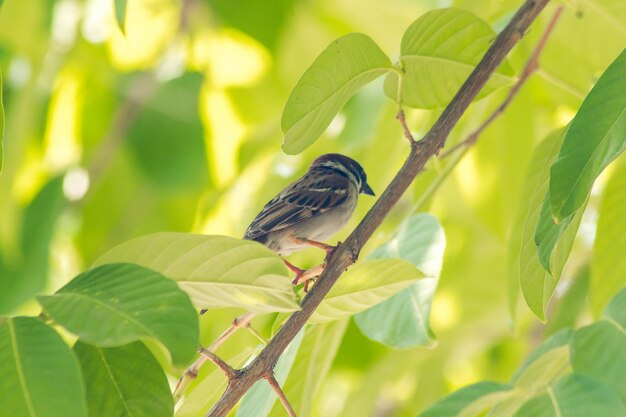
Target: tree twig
[(191, 373), (281, 395), (228, 370), (531, 66), (347, 253)]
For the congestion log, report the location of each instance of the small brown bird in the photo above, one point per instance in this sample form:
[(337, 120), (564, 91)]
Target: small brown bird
[(311, 209)]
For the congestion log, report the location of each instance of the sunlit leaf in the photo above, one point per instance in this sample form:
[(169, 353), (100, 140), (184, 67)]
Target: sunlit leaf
[(259, 400), (365, 285), (39, 375), (438, 52), (469, 401), (402, 320), (538, 369), (339, 71), (216, 271), (574, 396), (608, 263), (596, 136), (115, 304), (311, 366), (124, 381), (120, 14)]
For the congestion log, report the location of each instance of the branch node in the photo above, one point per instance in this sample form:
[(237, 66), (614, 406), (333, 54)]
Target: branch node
[(226, 368)]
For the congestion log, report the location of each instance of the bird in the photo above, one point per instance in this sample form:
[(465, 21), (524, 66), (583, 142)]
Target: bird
[(311, 209)]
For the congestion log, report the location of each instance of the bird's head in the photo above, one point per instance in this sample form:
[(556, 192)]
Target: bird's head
[(347, 167)]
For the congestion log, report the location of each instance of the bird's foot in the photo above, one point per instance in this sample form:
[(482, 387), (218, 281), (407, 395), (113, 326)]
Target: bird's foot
[(305, 276), (329, 249)]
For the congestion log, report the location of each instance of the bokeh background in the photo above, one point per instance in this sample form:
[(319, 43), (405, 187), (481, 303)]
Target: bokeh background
[(174, 125)]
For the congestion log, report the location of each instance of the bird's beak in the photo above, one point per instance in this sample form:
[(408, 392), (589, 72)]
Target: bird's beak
[(366, 189)]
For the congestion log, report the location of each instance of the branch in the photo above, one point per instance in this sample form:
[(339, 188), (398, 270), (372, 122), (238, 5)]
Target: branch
[(228, 370), (531, 66), (281, 395), (347, 253), (191, 373)]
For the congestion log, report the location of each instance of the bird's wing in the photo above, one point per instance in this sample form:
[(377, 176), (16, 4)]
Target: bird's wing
[(301, 200)]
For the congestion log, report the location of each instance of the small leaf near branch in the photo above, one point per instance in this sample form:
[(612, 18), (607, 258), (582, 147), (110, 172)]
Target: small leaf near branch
[(438, 52), (339, 71), (120, 14)]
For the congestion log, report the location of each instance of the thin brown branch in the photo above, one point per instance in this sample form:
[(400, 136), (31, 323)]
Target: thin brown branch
[(191, 373), (532, 65), (405, 128), (281, 395), (347, 253), (228, 370)]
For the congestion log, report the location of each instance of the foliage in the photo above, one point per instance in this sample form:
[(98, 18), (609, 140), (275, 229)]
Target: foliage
[(143, 136)]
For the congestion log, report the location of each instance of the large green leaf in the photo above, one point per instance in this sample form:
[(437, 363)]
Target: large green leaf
[(216, 271), (259, 400), (39, 375), (115, 304), (597, 135), (599, 350), (574, 396), (470, 401), (608, 263), (526, 270), (365, 285), (124, 381), (339, 71), (311, 366), (402, 320), (438, 52)]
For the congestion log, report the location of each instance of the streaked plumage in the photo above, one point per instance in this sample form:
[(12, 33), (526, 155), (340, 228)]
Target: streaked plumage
[(314, 207)]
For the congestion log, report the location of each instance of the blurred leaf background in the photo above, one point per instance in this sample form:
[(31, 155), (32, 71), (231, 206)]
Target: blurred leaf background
[(174, 125)]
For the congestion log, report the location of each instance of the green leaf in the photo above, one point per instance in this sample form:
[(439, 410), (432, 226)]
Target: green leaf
[(339, 71), (216, 271), (536, 284), (597, 135), (115, 304), (402, 320), (438, 53), (124, 381), (616, 310), (365, 285), (548, 233), (608, 263), (599, 351), (259, 400), (308, 373), (546, 364), (574, 396), (120, 14), (470, 401), (39, 375)]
